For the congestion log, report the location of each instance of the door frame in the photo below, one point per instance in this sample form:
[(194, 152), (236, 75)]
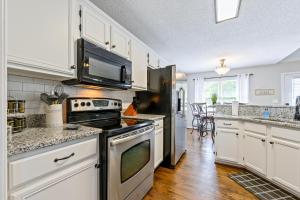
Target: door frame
[(3, 101)]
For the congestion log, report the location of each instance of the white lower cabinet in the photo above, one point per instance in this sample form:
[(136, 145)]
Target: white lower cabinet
[(65, 173), (76, 183), (158, 153), (269, 151), (227, 145), (159, 143), (285, 163), (255, 152)]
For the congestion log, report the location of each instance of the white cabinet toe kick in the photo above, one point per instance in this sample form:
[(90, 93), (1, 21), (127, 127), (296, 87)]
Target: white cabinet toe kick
[(269, 151)]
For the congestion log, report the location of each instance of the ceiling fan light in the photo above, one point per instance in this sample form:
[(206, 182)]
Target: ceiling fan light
[(222, 69)]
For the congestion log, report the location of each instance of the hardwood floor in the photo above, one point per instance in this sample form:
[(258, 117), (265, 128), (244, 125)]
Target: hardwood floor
[(197, 177)]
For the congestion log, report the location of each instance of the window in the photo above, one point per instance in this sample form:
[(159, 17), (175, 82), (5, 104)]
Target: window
[(226, 90), (290, 87), (295, 89)]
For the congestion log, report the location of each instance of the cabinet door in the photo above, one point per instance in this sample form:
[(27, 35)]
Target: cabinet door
[(76, 183), (163, 63), (227, 145), (40, 36), (153, 59), (139, 65), (285, 163), (120, 42), (158, 151), (95, 27), (255, 152)]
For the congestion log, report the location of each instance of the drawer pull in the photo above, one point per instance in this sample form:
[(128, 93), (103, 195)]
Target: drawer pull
[(271, 142), (64, 158), (237, 134), (263, 140), (226, 124)]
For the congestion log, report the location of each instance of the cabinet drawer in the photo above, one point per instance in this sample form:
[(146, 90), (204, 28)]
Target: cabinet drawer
[(23, 170), (288, 134), (159, 124), (227, 124), (256, 128)]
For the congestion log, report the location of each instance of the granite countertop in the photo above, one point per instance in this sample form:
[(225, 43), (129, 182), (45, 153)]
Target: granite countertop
[(145, 116), (287, 123), (36, 138)]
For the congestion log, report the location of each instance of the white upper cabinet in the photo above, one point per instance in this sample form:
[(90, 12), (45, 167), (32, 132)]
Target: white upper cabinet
[(139, 64), (94, 27), (163, 62), (153, 59), (40, 36), (120, 42)]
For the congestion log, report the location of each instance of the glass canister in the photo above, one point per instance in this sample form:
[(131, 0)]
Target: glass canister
[(21, 106), (19, 124), (12, 106)]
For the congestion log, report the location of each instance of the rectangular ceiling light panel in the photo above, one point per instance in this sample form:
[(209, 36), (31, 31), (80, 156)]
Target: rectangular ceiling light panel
[(226, 9)]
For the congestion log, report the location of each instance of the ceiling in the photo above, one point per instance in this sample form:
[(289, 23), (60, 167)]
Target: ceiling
[(185, 32)]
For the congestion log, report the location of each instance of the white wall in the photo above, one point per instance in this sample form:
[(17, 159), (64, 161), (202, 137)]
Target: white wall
[(295, 56), (3, 100), (265, 77)]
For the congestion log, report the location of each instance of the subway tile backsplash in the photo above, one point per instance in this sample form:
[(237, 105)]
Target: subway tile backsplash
[(29, 89)]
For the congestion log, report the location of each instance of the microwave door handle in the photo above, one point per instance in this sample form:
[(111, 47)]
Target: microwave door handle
[(123, 74)]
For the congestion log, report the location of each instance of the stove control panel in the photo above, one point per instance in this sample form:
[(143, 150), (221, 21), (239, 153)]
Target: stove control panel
[(95, 104)]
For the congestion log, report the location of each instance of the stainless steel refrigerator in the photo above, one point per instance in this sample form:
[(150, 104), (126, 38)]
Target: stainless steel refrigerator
[(162, 98)]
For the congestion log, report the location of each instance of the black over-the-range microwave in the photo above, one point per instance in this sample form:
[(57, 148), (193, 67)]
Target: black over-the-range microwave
[(97, 67)]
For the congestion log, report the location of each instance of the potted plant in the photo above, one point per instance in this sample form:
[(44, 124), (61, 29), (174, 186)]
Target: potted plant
[(214, 98)]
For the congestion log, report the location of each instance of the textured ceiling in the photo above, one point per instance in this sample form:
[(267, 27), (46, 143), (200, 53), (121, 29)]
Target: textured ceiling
[(185, 33)]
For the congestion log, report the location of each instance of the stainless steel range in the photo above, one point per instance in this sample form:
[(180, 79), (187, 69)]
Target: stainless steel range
[(125, 147)]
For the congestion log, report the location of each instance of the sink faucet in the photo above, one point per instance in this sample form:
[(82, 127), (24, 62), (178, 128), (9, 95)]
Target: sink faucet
[(297, 113)]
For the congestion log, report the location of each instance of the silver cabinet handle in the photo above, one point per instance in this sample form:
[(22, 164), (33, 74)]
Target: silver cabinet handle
[(226, 124)]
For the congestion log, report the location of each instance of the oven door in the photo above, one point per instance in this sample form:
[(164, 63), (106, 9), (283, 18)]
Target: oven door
[(130, 162)]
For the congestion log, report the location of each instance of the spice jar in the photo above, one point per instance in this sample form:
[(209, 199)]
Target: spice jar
[(12, 106), (19, 124), (21, 106)]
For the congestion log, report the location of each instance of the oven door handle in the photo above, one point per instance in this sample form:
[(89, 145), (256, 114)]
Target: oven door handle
[(126, 139)]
